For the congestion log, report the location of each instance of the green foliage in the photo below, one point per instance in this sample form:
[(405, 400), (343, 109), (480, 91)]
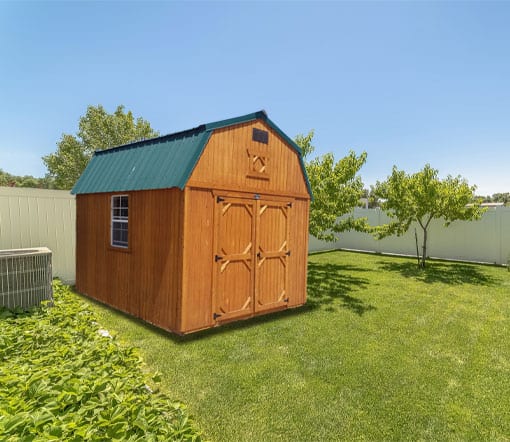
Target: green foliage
[(305, 143), (97, 130), (373, 199), (336, 189), (501, 198), (9, 180), (62, 380), (497, 198), (422, 197)]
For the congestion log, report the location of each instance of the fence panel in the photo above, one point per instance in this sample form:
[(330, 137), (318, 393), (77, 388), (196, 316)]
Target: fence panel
[(40, 218), (505, 236), (47, 218), (486, 240)]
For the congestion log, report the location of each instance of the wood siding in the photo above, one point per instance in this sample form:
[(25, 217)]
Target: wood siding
[(298, 244), (145, 280), (246, 202), (201, 243), (273, 254), (233, 161), (197, 267)]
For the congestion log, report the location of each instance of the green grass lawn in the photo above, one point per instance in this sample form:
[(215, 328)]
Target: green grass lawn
[(382, 351)]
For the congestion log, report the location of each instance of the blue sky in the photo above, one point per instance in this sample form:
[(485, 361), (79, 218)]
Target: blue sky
[(408, 82)]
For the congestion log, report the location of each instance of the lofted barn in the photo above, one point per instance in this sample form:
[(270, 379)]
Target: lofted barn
[(196, 228)]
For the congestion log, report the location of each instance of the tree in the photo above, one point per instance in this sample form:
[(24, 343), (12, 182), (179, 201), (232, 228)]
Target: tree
[(422, 197), (501, 198), (372, 199), (9, 180), (336, 189), (496, 198), (97, 130)]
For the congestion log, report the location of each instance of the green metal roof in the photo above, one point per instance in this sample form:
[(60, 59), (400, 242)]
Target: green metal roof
[(159, 163)]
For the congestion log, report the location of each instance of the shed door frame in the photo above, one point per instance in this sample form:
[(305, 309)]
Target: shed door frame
[(252, 255)]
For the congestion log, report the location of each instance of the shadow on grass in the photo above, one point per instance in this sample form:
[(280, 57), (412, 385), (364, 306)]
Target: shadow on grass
[(329, 286), (201, 334), (329, 283), (243, 324), (446, 273)]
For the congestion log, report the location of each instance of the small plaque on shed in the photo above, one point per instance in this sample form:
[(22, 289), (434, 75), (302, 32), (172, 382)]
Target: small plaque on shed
[(260, 135)]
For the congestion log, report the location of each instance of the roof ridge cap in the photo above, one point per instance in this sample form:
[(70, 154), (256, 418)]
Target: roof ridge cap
[(159, 138)]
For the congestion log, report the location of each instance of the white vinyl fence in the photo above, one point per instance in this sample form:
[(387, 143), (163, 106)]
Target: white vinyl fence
[(486, 240), (47, 218), (40, 218)]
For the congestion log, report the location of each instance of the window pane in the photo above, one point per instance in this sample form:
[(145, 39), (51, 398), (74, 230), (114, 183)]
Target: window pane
[(119, 220), (120, 237), (116, 235), (117, 225)]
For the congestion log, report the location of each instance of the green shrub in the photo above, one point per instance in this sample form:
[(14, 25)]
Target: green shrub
[(62, 379)]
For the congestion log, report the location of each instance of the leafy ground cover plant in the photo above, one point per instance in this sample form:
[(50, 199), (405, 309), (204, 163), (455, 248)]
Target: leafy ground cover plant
[(63, 378)]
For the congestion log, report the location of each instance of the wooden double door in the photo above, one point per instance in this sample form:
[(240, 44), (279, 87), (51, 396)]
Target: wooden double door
[(251, 256)]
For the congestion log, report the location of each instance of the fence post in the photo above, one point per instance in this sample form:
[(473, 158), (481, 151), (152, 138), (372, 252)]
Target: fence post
[(499, 219), (378, 241)]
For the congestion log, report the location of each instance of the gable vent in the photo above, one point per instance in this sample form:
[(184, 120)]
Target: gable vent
[(260, 135)]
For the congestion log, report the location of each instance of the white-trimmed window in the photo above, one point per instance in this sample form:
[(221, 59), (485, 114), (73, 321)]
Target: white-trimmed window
[(119, 237)]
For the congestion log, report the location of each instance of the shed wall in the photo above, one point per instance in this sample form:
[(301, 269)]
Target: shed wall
[(197, 262), (144, 280), (227, 163), (299, 247), (198, 267)]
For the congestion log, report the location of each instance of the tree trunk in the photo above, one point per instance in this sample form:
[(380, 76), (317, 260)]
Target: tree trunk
[(424, 256), (417, 249)]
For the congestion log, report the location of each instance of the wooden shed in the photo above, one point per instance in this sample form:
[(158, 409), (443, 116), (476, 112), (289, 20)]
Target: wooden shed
[(196, 228)]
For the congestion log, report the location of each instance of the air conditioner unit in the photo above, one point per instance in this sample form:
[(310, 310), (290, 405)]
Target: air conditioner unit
[(25, 277)]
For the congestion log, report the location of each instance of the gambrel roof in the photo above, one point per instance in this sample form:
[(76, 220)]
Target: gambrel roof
[(162, 162)]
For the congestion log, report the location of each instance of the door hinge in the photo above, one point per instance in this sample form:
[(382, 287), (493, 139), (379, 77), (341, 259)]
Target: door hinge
[(217, 258), (289, 204), (219, 199), (216, 316), (288, 253)]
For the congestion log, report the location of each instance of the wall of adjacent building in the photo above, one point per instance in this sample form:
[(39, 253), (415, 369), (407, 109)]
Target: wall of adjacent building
[(40, 218)]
